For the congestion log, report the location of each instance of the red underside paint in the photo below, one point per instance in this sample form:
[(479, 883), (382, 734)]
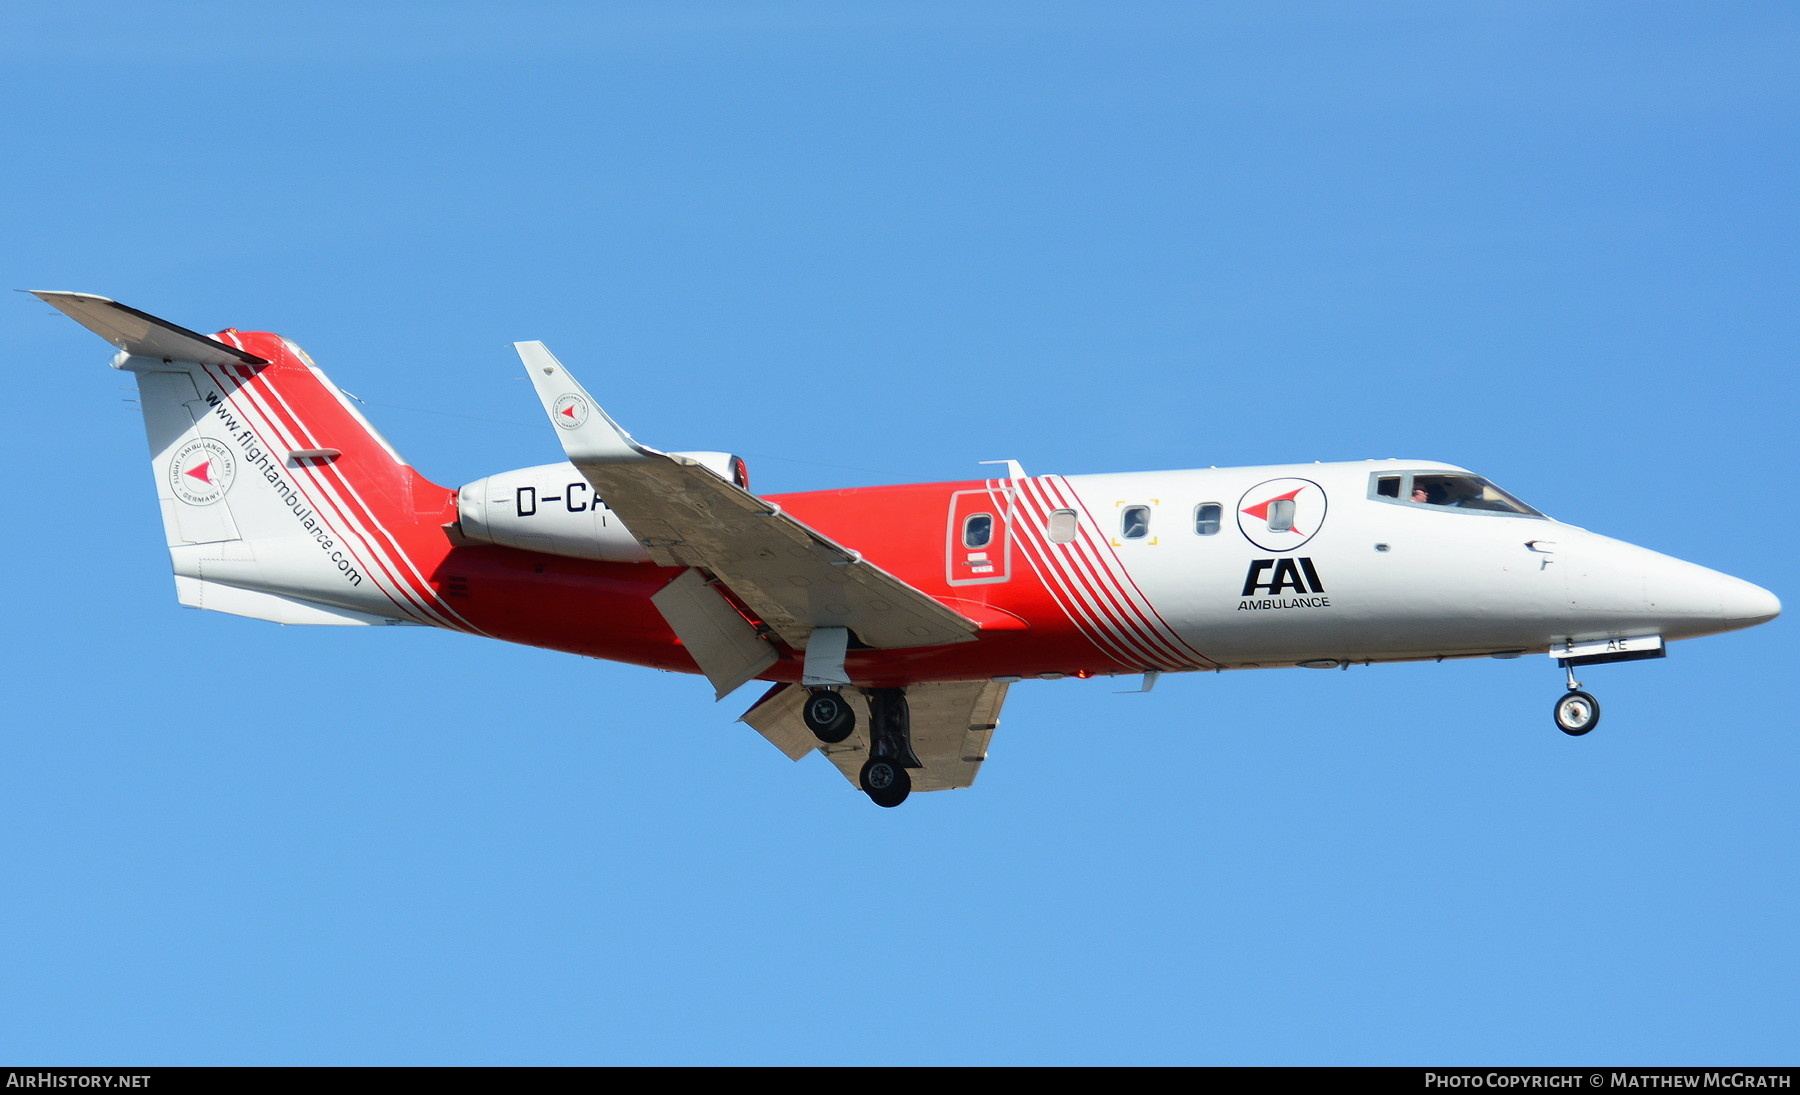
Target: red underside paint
[(1061, 608)]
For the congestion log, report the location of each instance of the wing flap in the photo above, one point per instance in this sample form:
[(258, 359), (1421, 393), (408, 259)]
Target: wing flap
[(721, 642), (952, 724), (777, 717)]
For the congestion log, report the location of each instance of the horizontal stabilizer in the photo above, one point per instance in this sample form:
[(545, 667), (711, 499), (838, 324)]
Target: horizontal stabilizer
[(143, 334)]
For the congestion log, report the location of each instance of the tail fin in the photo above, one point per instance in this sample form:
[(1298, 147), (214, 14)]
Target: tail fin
[(279, 500)]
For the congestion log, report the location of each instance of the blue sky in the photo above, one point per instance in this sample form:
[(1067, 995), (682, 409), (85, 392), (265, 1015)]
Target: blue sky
[(877, 243)]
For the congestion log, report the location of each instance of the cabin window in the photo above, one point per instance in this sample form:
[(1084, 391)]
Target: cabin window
[(978, 530), (1281, 515), (1134, 522), (1062, 526), (1206, 518)]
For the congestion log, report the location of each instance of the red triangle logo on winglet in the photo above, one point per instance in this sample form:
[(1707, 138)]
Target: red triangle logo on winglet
[(569, 410), (200, 472)]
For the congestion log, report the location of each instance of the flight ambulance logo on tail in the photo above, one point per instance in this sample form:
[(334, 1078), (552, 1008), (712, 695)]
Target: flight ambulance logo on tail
[(1281, 514), (202, 471), (569, 411)]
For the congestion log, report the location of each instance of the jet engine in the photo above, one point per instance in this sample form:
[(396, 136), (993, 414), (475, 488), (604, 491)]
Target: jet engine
[(553, 509)]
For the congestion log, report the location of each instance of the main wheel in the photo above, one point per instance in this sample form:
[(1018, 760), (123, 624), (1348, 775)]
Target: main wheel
[(1577, 713), (829, 716), (885, 781)]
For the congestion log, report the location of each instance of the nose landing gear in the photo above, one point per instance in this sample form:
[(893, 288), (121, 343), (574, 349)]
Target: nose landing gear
[(1576, 711)]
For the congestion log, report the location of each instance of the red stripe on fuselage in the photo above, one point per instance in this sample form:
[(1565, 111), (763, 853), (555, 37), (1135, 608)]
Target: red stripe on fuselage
[(1083, 610), (232, 384), (1071, 593), (1093, 564), (322, 422), (1183, 656), (325, 490)]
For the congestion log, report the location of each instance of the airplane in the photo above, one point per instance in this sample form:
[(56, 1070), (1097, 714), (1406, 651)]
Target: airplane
[(888, 621)]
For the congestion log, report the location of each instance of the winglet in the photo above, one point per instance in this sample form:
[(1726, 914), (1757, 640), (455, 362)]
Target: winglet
[(589, 434)]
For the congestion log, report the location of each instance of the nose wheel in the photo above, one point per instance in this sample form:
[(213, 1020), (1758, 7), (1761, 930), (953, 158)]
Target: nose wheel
[(1576, 711)]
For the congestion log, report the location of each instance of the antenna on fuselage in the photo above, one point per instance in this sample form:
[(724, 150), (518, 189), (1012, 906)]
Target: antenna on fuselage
[(1014, 470)]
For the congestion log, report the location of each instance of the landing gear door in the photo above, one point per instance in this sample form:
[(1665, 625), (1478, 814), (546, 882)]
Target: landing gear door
[(980, 536)]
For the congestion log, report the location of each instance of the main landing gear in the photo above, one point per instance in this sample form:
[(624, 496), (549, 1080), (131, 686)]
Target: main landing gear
[(828, 715), (884, 777), (1576, 711)]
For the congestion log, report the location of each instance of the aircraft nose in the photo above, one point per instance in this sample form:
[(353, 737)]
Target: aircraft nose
[(1706, 600), (1744, 604), (1614, 585)]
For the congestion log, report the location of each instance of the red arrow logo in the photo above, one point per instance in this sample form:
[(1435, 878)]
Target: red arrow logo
[(199, 471), (1260, 511), (569, 410)]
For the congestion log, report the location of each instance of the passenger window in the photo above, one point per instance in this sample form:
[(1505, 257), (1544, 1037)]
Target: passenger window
[(1281, 515), (1206, 518), (1388, 486), (1062, 526), (978, 530), (1134, 522)]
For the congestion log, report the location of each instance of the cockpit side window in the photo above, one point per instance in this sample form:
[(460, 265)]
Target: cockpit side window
[(1458, 491), (1467, 492)]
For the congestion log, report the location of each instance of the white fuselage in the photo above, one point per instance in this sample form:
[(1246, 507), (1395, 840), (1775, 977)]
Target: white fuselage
[(1352, 575)]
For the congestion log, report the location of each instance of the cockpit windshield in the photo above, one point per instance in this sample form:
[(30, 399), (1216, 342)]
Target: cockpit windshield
[(1448, 490)]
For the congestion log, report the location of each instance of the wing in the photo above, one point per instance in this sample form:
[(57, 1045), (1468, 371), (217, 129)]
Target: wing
[(952, 723), (684, 514)]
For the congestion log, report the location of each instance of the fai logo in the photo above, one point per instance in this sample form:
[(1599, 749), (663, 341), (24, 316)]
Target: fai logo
[(1282, 514), (1277, 576), (201, 472), (569, 411), (1282, 583)]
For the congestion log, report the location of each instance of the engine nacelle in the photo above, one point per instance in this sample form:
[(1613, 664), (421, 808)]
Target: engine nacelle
[(553, 509), (725, 465)]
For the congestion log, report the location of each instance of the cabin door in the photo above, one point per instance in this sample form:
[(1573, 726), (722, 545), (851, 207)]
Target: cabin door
[(980, 536)]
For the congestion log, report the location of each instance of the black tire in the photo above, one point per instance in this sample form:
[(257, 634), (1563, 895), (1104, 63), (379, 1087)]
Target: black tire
[(829, 716), (1577, 713), (885, 782)]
